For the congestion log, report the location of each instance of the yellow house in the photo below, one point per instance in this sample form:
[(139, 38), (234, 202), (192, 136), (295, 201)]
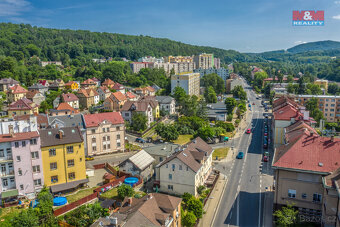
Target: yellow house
[(15, 93), (74, 86), (63, 158), (23, 106)]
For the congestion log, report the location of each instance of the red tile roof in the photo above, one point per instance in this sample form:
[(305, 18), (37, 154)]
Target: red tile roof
[(309, 152), (108, 82), (130, 95), (87, 92), (31, 94), (66, 106), (287, 112), (17, 89), (119, 96), (69, 97), (43, 82), (118, 86), (89, 81), (18, 136), (95, 79), (93, 120), (282, 101), (22, 104)]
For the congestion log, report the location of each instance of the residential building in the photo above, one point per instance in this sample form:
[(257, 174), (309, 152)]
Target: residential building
[(39, 120), (137, 66), (35, 96), (204, 61), (63, 158), (221, 72), (322, 83), (301, 166), (56, 85), (217, 63), (44, 83), (190, 82), (97, 81), (108, 83), (28, 124), (145, 91), (177, 59), (328, 104), (185, 170), (115, 102), (151, 59), (232, 83), (6, 83), (63, 109), (15, 93), (68, 98), (175, 68), (105, 133), (72, 85), (167, 104), (119, 87), (149, 108), (38, 87), (217, 111), (88, 97), (139, 164), (44, 63), (131, 96), (331, 197), (21, 164), (155, 209), (161, 151), (89, 83), (23, 106), (103, 92)]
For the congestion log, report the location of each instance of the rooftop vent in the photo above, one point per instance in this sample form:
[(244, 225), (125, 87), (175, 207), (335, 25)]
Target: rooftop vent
[(320, 164), (185, 154)]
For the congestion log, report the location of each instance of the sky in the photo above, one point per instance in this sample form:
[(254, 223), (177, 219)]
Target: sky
[(242, 25)]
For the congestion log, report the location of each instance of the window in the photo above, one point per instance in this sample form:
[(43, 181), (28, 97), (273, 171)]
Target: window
[(54, 179), (5, 182), (170, 176), (33, 141), (126, 114), (104, 147), (291, 193), (36, 169), (118, 144), (166, 165), (108, 129), (93, 140), (70, 163), (53, 166), (72, 176), (117, 128), (94, 148), (69, 149), (12, 180), (103, 129), (37, 182), (2, 154), (171, 187), (304, 195), (23, 143), (108, 138), (35, 154), (104, 138), (332, 105), (18, 158), (108, 146), (19, 172), (80, 159), (93, 131), (173, 167), (16, 144), (21, 187), (180, 167), (317, 197), (160, 159), (52, 152), (187, 168)]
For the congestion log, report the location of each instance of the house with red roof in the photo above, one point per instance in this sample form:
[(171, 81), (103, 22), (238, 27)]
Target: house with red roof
[(63, 109), (35, 96), (68, 98), (97, 81), (23, 106), (115, 102), (145, 91), (88, 97), (108, 83), (89, 83), (15, 93), (104, 92), (131, 96), (105, 133), (302, 164), (45, 83), (119, 87)]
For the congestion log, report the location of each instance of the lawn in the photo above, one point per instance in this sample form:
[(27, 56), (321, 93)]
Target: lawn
[(132, 147), (80, 194), (7, 214), (110, 194), (220, 153), (183, 139)]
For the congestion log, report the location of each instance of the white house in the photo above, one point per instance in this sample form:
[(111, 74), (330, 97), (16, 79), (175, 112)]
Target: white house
[(167, 103), (18, 125), (186, 169)]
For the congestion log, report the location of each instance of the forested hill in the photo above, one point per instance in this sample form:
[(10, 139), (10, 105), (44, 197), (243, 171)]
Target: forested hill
[(315, 46), (57, 44)]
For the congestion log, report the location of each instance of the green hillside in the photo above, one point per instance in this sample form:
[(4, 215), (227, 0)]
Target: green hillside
[(315, 46)]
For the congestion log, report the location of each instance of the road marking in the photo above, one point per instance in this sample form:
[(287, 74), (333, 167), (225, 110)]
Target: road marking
[(238, 211)]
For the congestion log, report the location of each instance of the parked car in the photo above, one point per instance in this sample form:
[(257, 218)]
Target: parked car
[(89, 158), (149, 139), (140, 140), (266, 134), (266, 115), (265, 145), (240, 155), (266, 153), (248, 131), (249, 105), (253, 103), (265, 158)]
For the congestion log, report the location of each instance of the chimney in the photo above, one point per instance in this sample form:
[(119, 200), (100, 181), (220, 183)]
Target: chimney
[(61, 134), (129, 201), (311, 133), (332, 138), (11, 130)]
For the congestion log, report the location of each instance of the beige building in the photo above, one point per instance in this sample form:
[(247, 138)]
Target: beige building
[(204, 61), (331, 200), (328, 104), (185, 170), (88, 97), (177, 59), (190, 82), (105, 133), (322, 83), (16, 93)]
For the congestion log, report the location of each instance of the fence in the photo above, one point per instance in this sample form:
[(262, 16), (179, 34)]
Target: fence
[(110, 185), (75, 204), (99, 166)]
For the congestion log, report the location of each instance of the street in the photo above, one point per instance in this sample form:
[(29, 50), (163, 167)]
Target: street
[(242, 202)]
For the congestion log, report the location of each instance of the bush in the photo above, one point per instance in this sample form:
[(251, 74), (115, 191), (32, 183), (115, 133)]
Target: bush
[(186, 197), (125, 191), (189, 219), (230, 117), (200, 189), (196, 206)]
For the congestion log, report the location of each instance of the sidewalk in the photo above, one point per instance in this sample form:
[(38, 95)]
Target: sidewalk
[(216, 195)]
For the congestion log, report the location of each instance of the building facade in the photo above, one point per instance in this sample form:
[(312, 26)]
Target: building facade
[(204, 61), (190, 82)]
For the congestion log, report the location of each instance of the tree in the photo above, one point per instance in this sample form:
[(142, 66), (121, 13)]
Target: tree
[(44, 209), (230, 104), (139, 122), (292, 88), (186, 197), (179, 94), (168, 132), (205, 132), (280, 77), (259, 78), (213, 80), (315, 112), (290, 79), (210, 95), (26, 218), (333, 89), (189, 219), (286, 216), (195, 205), (238, 92), (200, 189), (125, 191)]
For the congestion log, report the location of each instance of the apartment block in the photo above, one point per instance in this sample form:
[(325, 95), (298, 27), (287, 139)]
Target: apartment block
[(137, 66), (204, 61), (217, 63), (190, 82), (177, 59), (221, 72)]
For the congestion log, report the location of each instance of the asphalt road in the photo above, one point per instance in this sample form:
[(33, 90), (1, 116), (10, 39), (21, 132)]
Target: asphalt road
[(242, 201)]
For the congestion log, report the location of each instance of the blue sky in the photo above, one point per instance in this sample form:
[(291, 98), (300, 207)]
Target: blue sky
[(243, 25)]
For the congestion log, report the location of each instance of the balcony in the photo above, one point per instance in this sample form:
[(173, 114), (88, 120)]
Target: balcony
[(6, 158), (7, 173)]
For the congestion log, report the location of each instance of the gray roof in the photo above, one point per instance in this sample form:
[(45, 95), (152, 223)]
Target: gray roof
[(72, 120), (37, 86), (50, 137), (8, 81), (164, 99), (141, 160), (162, 149), (215, 109)]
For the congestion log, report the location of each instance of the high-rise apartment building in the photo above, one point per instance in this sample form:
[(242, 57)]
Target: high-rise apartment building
[(190, 82), (204, 61)]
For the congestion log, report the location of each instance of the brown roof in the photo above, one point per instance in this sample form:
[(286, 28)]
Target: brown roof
[(108, 82), (41, 119), (17, 89), (87, 92), (104, 89), (282, 101), (31, 94), (119, 96), (18, 136), (287, 112), (50, 137), (89, 81), (22, 104), (69, 97), (66, 106), (93, 120)]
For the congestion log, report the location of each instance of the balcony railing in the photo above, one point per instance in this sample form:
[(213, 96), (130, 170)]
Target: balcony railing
[(7, 173), (6, 158)]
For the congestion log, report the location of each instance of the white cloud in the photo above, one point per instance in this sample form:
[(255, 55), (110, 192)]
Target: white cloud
[(337, 17), (337, 2), (299, 42), (13, 7)]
